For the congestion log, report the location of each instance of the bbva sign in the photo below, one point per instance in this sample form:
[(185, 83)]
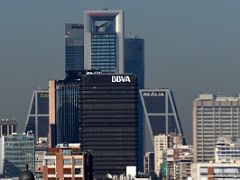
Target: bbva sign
[(121, 79)]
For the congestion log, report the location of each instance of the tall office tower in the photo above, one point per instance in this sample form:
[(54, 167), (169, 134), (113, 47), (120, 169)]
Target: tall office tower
[(108, 123), (161, 116), (104, 40), (213, 117), (38, 114), (106, 111), (67, 162), (64, 110), (17, 150), (74, 47), (7, 127), (134, 58), (134, 63)]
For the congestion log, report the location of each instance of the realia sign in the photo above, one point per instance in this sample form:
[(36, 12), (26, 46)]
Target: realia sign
[(121, 79)]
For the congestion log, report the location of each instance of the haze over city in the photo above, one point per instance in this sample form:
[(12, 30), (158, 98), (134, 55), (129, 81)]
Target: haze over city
[(190, 47)]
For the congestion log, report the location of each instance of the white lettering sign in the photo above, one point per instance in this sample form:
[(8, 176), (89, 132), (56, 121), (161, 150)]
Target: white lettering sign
[(153, 94), (121, 79)]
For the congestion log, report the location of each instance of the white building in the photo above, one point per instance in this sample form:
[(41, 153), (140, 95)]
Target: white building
[(206, 171), (227, 151)]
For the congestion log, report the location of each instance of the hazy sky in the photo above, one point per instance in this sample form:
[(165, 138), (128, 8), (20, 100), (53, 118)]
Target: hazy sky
[(190, 47)]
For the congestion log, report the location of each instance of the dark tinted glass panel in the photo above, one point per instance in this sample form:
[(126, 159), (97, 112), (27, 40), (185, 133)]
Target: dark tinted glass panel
[(155, 104), (158, 124), (4, 129), (31, 125), (42, 103), (43, 126)]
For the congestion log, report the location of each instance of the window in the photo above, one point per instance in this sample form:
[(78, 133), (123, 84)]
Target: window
[(78, 162), (67, 162), (78, 171)]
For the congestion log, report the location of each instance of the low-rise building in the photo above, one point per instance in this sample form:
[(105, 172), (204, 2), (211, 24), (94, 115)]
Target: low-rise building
[(211, 171), (67, 162)]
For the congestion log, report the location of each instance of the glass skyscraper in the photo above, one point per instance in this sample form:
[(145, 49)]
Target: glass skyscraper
[(38, 114), (134, 58), (104, 108), (160, 112), (74, 47), (104, 40)]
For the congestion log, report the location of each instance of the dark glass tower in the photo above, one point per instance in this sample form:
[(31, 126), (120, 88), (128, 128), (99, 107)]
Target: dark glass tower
[(101, 111), (134, 63), (160, 112), (74, 49), (38, 114), (134, 58)]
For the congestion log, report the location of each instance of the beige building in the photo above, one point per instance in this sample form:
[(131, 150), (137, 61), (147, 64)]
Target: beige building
[(161, 143), (213, 117)]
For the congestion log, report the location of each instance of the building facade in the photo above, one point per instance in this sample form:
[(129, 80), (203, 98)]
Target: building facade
[(104, 109), (202, 171), (227, 151), (68, 163), (134, 57), (162, 143), (160, 112), (104, 40), (38, 114), (7, 127), (74, 47), (17, 150), (213, 117), (149, 164)]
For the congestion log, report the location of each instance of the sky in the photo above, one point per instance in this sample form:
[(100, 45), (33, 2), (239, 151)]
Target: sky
[(190, 47)]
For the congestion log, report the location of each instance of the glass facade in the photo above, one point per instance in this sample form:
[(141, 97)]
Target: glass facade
[(105, 113), (103, 52), (38, 114), (18, 151), (67, 111), (160, 112), (74, 47)]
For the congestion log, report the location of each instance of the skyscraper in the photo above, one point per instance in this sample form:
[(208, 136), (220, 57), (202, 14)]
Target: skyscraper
[(74, 47), (106, 111), (161, 116), (104, 40), (38, 114), (134, 58), (213, 117)]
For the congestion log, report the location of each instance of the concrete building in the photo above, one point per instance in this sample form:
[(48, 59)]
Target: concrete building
[(7, 127), (67, 162), (227, 151), (212, 171), (104, 40), (162, 143), (40, 151), (213, 117), (17, 150), (149, 163), (179, 159), (38, 114)]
